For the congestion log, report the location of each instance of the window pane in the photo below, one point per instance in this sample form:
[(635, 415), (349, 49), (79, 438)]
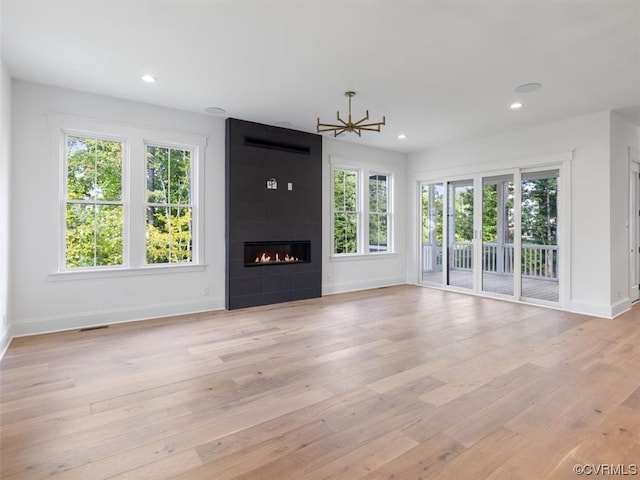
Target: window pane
[(168, 175), (94, 235), (157, 174), (378, 193), (378, 208), (345, 190), (378, 233), (109, 235), (345, 239), (539, 235), (179, 176), (94, 169), (108, 171), (497, 234), (432, 232), (169, 235)]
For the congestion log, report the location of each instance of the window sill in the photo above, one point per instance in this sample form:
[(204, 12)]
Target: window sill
[(124, 272), (349, 257)]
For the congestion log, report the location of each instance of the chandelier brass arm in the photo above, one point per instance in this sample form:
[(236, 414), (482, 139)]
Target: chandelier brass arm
[(350, 126)]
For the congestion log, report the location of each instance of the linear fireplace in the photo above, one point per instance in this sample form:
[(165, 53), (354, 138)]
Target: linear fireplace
[(276, 253)]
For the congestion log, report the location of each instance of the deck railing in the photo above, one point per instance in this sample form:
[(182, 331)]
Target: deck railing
[(538, 261)]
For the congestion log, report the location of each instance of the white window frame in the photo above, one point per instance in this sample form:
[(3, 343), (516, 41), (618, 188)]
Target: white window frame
[(362, 202), (64, 199), (358, 212), (193, 194), (135, 139), (389, 213)]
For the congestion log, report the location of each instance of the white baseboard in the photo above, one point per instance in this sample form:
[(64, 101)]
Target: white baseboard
[(58, 323), (620, 307), (601, 309), (356, 286), (5, 340)]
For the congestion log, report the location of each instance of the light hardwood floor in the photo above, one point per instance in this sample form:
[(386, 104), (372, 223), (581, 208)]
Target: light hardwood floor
[(395, 383)]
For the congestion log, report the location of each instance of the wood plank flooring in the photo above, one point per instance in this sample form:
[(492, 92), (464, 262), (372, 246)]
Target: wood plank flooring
[(396, 383)]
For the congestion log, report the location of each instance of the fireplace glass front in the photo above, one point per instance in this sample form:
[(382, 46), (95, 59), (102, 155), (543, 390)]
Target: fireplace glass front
[(257, 254)]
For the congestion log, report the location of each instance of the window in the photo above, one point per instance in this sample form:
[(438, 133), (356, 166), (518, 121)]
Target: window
[(169, 209), (345, 211), (130, 198), (362, 213), (378, 212), (94, 227)]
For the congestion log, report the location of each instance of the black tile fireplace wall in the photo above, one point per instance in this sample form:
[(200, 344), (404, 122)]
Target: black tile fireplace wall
[(257, 154)]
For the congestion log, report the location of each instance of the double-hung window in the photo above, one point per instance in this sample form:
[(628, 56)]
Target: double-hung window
[(130, 197), (94, 202), (169, 209), (362, 213), (346, 211), (379, 214)]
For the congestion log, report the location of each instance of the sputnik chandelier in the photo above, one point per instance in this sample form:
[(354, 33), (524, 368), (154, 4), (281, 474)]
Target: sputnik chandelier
[(350, 126)]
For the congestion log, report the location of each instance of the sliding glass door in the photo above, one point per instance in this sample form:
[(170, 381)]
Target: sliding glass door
[(460, 234), (495, 234), (540, 279), (432, 201), (498, 228)]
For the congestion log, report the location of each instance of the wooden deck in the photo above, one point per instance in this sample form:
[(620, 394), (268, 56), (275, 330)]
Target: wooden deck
[(538, 288), (396, 383)]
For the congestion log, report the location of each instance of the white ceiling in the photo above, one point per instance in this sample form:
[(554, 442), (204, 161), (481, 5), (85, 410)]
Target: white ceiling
[(441, 71)]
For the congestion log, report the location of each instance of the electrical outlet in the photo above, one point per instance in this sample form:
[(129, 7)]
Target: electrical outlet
[(205, 291)]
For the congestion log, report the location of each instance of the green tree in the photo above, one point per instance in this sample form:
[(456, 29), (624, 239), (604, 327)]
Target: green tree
[(490, 213), (94, 212), (463, 214), (539, 223), (432, 214), (540, 211), (169, 227), (378, 212), (345, 211)]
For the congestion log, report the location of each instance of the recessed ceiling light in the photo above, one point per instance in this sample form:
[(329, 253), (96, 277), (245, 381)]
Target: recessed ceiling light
[(402, 136), (149, 78), (515, 106), (215, 110), (528, 87)]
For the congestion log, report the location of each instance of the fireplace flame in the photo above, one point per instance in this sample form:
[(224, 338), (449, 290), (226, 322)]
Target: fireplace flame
[(274, 257)]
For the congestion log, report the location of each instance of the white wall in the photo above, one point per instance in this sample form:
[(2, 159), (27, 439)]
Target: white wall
[(5, 205), (43, 302), (590, 202), (39, 302), (365, 271), (624, 134)]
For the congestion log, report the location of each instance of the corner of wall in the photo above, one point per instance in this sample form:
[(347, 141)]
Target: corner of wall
[(5, 340), (5, 207)]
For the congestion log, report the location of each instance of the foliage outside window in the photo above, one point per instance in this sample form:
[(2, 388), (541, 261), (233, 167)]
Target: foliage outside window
[(362, 211), (432, 214), (169, 234), (94, 208), (498, 193), (540, 210), (378, 213), (345, 211), (463, 211)]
